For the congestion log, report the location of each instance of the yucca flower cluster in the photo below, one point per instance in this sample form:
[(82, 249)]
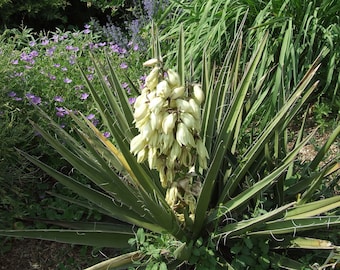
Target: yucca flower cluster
[(168, 117)]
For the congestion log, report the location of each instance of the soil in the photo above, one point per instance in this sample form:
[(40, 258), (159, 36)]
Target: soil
[(27, 254), (31, 254)]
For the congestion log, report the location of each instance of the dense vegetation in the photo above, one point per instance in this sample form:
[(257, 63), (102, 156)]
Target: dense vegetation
[(257, 65)]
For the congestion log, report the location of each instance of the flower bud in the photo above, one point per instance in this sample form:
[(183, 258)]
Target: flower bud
[(167, 142), (171, 195), (153, 141), (186, 158), (151, 84), (163, 178), (137, 144), (202, 162), (142, 121), (198, 94), (141, 111), (177, 92), (168, 123), (151, 62), (152, 157), (183, 136), (201, 149), (163, 89), (183, 105), (153, 75), (142, 155), (147, 131), (156, 104), (175, 151), (195, 109), (189, 120), (141, 99), (202, 153), (173, 78), (156, 120)]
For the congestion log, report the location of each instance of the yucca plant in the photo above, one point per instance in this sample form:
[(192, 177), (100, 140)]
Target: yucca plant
[(190, 179)]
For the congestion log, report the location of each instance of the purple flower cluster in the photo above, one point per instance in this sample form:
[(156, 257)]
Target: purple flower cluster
[(93, 119), (61, 112), (33, 98), (14, 96), (29, 58), (43, 58), (152, 7)]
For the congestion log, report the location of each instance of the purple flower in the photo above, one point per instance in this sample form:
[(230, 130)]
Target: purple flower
[(71, 48), (58, 99), (17, 98), (84, 96), (125, 85), (67, 80), (64, 68), (55, 38), (61, 112), (89, 77), (132, 100), (87, 31), (90, 116), (72, 59), (135, 47), (34, 54), (12, 94), (123, 65), (25, 57), (95, 122), (32, 43), (50, 51), (115, 48), (106, 134), (78, 87), (33, 99), (15, 62), (122, 51), (56, 65), (45, 41), (18, 74), (36, 100), (52, 77)]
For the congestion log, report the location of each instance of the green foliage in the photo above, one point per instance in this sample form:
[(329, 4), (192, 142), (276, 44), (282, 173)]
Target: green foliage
[(254, 203), (251, 253), (105, 4), (259, 205), (45, 10), (27, 192), (307, 28)]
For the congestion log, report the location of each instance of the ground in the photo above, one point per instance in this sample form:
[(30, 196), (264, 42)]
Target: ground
[(30, 254)]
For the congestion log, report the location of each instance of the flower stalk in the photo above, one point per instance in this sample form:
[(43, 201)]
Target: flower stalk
[(168, 118)]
